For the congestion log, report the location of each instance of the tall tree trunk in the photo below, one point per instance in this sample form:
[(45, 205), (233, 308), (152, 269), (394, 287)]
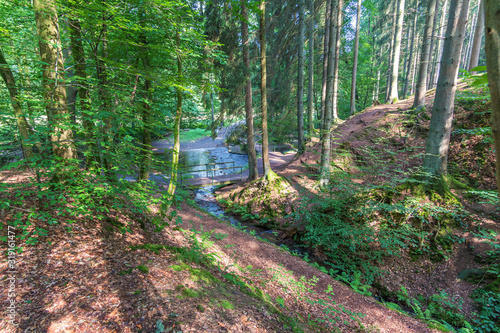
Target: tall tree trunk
[(478, 36), (326, 41), (436, 152), (406, 60), (83, 90), (22, 124), (412, 46), (266, 164), (430, 61), (327, 121), (310, 96), (53, 81), (424, 56), (253, 171), (300, 80), (338, 30), (467, 51), (439, 53), (146, 148), (391, 50), (393, 95), (377, 89), (414, 72), (492, 34), (355, 61), (174, 173)]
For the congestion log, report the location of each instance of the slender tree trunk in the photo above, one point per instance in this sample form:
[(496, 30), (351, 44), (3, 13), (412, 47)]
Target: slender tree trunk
[(393, 5), (300, 80), (377, 90), (147, 148), (393, 95), (478, 36), (467, 50), (326, 41), (327, 121), (310, 96), (268, 172), (174, 174), (413, 74), (424, 56), (406, 60), (338, 30), (442, 24), (430, 61), (53, 81), (412, 46), (252, 155), (436, 153), (83, 90), (355, 61), (492, 33), (22, 124)]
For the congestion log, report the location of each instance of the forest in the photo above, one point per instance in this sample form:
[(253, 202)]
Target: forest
[(250, 165)]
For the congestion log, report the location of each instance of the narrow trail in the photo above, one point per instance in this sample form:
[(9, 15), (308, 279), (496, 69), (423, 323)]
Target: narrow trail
[(274, 261)]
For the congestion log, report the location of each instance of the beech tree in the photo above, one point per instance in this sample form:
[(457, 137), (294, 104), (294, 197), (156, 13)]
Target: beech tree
[(492, 33), (51, 56), (436, 152), (22, 124)]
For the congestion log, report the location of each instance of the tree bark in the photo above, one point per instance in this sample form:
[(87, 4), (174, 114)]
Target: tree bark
[(22, 124), (437, 65), (51, 55), (393, 95), (412, 46), (391, 51), (253, 172), (266, 164), (355, 61), (310, 96), (478, 36), (492, 34), (327, 121), (436, 153), (424, 56), (83, 90), (326, 41), (300, 80), (338, 30), (431, 59), (174, 173)]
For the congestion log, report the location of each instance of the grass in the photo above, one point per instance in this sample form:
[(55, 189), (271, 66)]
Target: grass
[(194, 134)]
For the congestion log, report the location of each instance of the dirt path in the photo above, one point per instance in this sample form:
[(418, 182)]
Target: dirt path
[(284, 269)]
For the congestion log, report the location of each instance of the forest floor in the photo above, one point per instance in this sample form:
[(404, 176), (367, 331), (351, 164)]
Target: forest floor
[(202, 275)]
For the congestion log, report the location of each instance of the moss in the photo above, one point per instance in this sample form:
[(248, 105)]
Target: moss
[(180, 267), (143, 269), (227, 305), (200, 308), (186, 292), (155, 248), (125, 272), (201, 275)]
